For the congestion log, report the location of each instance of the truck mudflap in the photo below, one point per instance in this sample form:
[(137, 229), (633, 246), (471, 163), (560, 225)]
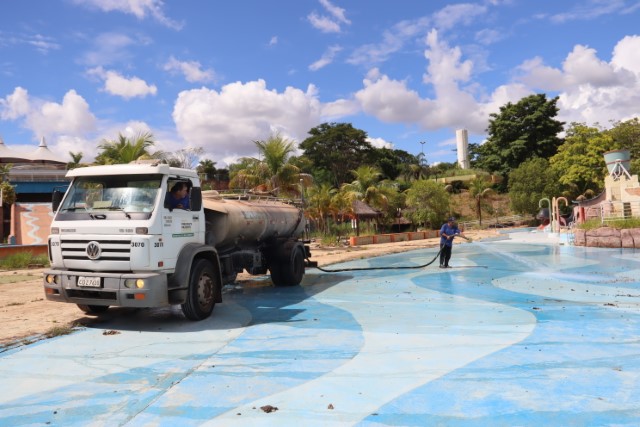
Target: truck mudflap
[(106, 289)]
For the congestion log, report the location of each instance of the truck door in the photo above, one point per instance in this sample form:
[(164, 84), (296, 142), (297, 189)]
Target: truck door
[(181, 225)]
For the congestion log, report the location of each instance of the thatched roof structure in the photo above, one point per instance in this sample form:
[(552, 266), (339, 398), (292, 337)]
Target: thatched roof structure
[(364, 211)]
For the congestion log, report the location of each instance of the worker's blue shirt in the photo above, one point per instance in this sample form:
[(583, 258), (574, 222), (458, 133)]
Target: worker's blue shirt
[(449, 231), (173, 202)]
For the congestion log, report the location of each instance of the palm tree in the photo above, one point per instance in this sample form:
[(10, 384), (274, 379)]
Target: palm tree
[(272, 171), (126, 150), (4, 171), (367, 187), (479, 189), (319, 204), (207, 168), (75, 160)]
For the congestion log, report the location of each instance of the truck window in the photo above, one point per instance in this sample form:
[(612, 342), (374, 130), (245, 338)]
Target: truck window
[(112, 193)]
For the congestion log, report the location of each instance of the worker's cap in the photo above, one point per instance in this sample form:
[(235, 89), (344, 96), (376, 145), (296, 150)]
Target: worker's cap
[(451, 219)]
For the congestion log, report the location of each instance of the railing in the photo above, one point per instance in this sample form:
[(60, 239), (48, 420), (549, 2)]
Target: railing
[(34, 175), (617, 210), (252, 195), (496, 222)]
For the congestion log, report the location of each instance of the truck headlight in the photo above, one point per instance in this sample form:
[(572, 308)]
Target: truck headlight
[(134, 283), (52, 278)]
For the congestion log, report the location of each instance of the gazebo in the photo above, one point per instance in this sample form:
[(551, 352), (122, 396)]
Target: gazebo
[(363, 211)]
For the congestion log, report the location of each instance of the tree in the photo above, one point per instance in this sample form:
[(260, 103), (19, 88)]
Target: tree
[(75, 160), (627, 135), (367, 187), (392, 163), (517, 133), (479, 189), (126, 150), (207, 168), (579, 163), (336, 149), (186, 158), (273, 170), (427, 203), (529, 183), (319, 204)]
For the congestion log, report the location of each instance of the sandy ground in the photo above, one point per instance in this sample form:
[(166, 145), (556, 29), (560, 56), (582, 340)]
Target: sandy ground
[(26, 315)]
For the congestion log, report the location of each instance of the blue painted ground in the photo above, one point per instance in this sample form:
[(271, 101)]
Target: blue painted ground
[(518, 333)]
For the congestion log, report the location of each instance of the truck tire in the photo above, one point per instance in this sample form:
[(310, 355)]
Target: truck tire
[(93, 309), (200, 295), (289, 272)]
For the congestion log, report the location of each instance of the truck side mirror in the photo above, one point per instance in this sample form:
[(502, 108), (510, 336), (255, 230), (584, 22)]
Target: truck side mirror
[(196, 199), (56, 198)]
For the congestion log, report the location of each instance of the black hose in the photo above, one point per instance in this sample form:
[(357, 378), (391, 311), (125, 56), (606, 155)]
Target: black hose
[(401, 267)]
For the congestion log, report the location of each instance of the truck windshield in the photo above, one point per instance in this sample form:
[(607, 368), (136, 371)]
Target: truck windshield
[(137, 193)]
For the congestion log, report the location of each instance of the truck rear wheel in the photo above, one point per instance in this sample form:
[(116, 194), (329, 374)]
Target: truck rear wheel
[(200, 295), (93, 309), (291, 271)]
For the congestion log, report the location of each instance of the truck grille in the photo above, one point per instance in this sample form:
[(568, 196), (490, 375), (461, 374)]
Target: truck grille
[(103, 250)]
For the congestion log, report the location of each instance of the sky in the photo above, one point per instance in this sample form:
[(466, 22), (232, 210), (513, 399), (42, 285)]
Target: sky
[(219, 75)]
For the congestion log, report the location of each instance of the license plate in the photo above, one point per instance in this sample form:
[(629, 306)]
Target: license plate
[(90, 282)]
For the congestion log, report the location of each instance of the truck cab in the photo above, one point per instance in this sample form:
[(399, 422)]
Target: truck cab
[(115, 239)]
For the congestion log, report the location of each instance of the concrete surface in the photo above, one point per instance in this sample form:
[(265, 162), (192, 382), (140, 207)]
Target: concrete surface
[(523, 331)]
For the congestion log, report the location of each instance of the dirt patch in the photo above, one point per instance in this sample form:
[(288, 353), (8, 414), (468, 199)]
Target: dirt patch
[(25, 314)]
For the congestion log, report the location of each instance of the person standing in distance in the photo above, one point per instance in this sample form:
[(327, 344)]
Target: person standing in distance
[(448, 231)]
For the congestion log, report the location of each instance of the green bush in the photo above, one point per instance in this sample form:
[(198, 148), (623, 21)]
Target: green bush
[(23, 260), (617, 223)]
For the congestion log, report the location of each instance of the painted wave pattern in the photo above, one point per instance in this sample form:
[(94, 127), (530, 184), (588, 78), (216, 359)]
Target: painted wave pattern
[(517, 335)]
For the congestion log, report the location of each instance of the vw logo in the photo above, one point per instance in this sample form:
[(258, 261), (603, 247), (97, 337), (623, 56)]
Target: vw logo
[(93, 250)]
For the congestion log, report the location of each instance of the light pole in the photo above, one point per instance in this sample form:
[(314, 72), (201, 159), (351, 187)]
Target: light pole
[(422, 172)]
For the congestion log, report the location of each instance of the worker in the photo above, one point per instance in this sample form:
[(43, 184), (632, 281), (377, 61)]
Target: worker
[(179, 196), (448, 232)]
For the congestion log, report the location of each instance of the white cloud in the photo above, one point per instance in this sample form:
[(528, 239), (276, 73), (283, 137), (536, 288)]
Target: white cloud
[(225, 123), (337, 12), (14, 105), (42, 43), (380, 143), (46, 118), (583, 67), (192, 70), (453, 105), (139, 8), (395, 38), (590, 89), (116, 84), (626, 54), (327, 58), (323, 23), (451, 16), (392, 41), (109, 48), (273, 41), (537, 75), (593, 9), (489, 36), (329, 24), (72, 116)]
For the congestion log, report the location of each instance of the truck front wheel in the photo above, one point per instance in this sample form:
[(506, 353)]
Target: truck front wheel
[(200, 295)]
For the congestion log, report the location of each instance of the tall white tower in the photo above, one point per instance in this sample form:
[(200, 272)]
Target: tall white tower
[(462, 143)]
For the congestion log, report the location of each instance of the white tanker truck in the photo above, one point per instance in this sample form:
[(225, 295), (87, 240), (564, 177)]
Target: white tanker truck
[(115, 241)]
